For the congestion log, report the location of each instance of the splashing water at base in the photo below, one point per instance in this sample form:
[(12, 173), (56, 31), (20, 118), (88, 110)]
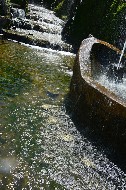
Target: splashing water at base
[(119, 88), (102, 64), (36, 132), (113, 77)]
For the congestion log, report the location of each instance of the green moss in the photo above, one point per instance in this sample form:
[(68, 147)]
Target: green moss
[(59, 6), (121, 7), (117, 7), (113, 20), (61, 9)]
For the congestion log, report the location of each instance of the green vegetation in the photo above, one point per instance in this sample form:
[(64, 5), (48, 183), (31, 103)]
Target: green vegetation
[(62, 9), (59, 7), (114, 18), (5, 6), (101, 19), (23, 3)]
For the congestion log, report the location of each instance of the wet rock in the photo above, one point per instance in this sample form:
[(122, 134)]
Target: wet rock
[(27, 26), (42, 28), (34, 17), (37, 38), (38, 28), (17, 13), (21, 23), (4, 22), (4, 8)]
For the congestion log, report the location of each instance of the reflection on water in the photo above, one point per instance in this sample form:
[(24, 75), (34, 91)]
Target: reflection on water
[(40, 145)]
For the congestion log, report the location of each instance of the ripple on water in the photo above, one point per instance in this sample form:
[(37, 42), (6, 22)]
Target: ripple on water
[(37, 132)]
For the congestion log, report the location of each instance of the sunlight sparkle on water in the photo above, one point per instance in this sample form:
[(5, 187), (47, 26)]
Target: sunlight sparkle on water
[(41, 136)]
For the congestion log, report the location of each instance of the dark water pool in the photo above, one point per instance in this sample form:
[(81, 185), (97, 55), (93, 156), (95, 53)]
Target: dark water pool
[(41, 148)]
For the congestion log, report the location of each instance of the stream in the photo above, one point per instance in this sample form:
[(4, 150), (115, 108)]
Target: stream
[(41, 147)]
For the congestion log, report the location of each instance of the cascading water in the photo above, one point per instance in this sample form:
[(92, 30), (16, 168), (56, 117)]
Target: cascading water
[(118, 68), (104, 69), (41, 147), (40, 27), (109, 69), (120, 59)]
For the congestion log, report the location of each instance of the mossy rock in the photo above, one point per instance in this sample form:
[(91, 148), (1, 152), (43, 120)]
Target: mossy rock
[(101, 19)]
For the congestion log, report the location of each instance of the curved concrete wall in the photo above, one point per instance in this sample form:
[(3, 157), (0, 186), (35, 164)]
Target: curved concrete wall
[(95, 105)]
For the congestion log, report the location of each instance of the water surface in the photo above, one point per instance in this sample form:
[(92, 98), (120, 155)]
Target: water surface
[(41, 147)]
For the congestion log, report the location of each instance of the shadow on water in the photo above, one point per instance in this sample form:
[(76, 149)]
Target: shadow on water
[(96, 139)]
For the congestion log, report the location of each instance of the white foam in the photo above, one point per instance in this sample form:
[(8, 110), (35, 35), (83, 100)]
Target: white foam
[(48, 49), (118, 88)]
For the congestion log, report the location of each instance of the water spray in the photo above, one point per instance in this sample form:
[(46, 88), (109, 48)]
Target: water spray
[(120, 59), (116, 70), (119, 68)]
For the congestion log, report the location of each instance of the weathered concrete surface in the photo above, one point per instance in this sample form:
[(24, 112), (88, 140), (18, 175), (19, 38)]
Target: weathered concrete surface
[(95, 105)]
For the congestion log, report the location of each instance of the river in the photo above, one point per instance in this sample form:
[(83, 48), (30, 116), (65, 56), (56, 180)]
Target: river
[(41, 147)]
